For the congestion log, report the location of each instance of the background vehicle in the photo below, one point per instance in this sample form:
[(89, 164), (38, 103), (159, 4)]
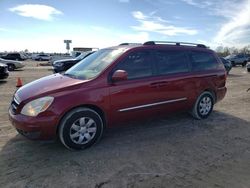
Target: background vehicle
[(59, 57), (116, 85), (240, 59), (4, 73), (14, 56), (227, 64), (248, 67), (65, 64), (42, 57), (12, 65)]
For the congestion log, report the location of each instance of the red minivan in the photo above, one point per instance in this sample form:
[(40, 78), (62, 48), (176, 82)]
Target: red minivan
[(118, 84)]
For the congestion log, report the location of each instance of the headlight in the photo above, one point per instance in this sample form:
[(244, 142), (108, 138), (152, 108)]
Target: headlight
[(58, 64), (33, 108)]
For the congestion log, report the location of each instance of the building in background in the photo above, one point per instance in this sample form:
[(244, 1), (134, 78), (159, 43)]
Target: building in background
[(78, 50)]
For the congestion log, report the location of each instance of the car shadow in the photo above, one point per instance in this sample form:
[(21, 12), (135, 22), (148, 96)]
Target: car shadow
[(17, 70), (154, 146), (234, 75)]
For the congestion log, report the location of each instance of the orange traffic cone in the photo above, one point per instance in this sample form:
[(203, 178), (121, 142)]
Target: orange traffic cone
[(19, 82)]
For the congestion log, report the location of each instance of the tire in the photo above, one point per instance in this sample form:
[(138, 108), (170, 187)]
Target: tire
[(207, 100), (244, 64), (11, 67), (248, 70), (233, 64), (80, 128)]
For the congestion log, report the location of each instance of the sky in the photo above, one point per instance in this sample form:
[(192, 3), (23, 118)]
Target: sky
[(43, 25)]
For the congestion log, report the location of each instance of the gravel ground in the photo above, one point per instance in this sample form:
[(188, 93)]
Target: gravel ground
[(175, 151)]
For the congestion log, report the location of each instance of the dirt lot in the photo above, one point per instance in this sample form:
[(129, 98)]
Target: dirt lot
[(175, 151)]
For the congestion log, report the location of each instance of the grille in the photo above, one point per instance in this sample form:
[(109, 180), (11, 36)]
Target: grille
[(14, 105), (2, 69)]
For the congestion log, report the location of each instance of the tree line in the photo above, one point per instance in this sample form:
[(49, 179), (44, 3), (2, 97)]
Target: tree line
[(225, 51)]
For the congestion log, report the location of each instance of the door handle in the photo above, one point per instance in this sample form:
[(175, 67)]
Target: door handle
[(158, 84)]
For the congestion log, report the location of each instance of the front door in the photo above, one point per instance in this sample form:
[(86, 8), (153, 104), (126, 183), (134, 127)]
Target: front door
[(133, 98)]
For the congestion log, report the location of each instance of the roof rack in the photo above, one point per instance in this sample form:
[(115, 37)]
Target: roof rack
[(175, 43), (126, 43)]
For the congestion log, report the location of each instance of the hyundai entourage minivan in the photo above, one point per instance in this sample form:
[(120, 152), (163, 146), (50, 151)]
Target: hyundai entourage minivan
[(118, 84)]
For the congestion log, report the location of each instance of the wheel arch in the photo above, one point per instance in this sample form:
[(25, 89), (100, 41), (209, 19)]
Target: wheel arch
[(90, 106), (212, 92), (14, 66)]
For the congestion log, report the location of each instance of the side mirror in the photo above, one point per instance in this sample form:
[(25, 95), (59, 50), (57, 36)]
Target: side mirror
[(119, 75)]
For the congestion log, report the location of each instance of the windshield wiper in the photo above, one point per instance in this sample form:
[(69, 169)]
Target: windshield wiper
[(69, 75), (74, 76)]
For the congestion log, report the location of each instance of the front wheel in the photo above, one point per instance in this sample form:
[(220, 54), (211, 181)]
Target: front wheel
[(11, 67), (203, 106), (244, 64), (80, 128)]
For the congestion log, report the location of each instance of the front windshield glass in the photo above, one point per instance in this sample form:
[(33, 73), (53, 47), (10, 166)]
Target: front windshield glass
[(94, 64)]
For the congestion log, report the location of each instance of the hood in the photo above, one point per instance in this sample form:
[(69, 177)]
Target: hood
[(2, 65), (64, 61), (44, 85), (8, 61)]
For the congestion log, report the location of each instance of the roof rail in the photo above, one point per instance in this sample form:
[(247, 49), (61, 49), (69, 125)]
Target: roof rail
[(175, 43), (126, 43)]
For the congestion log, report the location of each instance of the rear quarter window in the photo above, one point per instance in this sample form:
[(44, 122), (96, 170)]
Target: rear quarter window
[(203, 61)]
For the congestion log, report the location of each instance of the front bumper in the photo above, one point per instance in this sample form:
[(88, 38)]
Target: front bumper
[(35, 128), (4, 75)]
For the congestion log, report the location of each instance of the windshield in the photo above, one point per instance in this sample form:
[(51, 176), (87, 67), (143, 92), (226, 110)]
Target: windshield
[(94, 64)]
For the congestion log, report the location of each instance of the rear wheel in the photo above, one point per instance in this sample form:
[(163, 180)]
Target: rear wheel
[(203, 105), (233, 64), (248, 70), (80, 128), (11, 67)]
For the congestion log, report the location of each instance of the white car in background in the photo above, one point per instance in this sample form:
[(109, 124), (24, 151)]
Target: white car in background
[(42, 57), (12, 64)]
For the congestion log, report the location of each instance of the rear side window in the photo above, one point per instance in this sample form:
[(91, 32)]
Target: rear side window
[(169, 62), (203, 61), (137, 65), (13, 55)]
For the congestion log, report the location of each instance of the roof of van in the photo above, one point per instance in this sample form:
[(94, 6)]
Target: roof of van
[(161, 44)]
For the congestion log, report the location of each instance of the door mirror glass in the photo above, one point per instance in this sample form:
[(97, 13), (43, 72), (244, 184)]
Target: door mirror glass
[(119, 75)]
